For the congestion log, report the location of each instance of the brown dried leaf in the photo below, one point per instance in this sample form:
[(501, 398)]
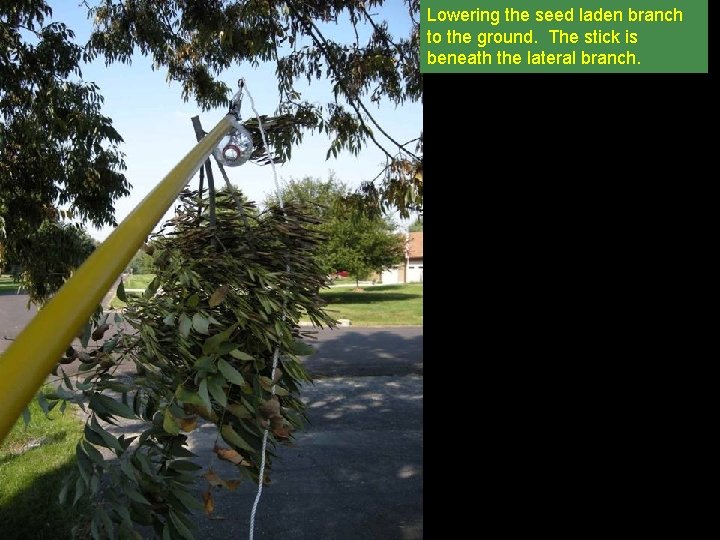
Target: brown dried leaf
[(209, 502), (270, 408), (218, 296), (232, 484), (191, 408), (228, 454), (188, 424), (280, 427), (214, 480)]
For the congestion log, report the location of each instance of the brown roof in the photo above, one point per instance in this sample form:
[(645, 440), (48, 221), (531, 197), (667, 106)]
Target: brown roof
[(415, 245)]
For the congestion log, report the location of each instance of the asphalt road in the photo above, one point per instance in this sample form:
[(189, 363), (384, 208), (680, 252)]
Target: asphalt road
[(14, 315), (366, 351)]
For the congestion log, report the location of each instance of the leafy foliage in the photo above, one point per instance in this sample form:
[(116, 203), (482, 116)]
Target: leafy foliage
[(142, 262), (356, 242), (197, 42), (363, 245), (56, 148), (48, 255), (199, 345), (417, 225)]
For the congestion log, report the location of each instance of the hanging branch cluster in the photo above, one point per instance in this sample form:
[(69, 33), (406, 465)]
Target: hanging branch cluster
[(197, 346)]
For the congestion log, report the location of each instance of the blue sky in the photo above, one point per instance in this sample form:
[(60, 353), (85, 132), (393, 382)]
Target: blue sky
[(155, 123)]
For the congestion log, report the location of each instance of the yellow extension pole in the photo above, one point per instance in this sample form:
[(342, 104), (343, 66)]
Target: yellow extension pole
[(28, 361)]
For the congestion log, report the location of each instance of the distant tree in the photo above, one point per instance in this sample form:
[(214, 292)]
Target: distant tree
[(321, 198), (56, 149), (49, 255), (362, 246), (356, 242), (141, 263), (417, 225)]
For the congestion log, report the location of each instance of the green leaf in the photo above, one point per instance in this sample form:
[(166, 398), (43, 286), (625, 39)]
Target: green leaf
[(120, 292), (184, 465), (230, 373), (66, 379), (239, 411), (79, 490), (94, 532), (216, 391), (102, 403), (83, 463), (206, 363), (302, 349), (212, 344), (240, 355), (128, 470), (193, 301), (144, 462), (136, 496), (87, 332), (190, 502), (93, 437), (203, 393), (62, 496), (187, 396), (152, 288), (169, 423), (107, 524), (180, 526), (200, 323), (93, 453), (109, 441), (43, 402), (231, 436), (226, 347), (184, 324), (169, 320)]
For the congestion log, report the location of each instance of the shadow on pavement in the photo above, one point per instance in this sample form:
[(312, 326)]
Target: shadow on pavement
[(366, 352)]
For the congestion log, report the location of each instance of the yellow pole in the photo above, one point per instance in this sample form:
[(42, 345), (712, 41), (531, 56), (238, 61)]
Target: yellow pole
[(29, 360)]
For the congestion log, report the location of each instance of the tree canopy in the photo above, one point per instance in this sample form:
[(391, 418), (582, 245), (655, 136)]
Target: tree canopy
[(60, 158), (56, 148), (198, 42)]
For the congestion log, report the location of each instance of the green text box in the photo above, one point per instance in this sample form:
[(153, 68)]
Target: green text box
[(640, 36)]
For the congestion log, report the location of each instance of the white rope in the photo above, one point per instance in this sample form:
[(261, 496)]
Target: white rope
[(277, 349)]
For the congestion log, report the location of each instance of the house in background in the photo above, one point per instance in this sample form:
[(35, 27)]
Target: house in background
[(412, 270)]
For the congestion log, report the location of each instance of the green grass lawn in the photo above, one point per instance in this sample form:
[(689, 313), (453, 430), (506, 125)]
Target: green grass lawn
[(7, 285), (379, 305), (31, 480), (138, 281)]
